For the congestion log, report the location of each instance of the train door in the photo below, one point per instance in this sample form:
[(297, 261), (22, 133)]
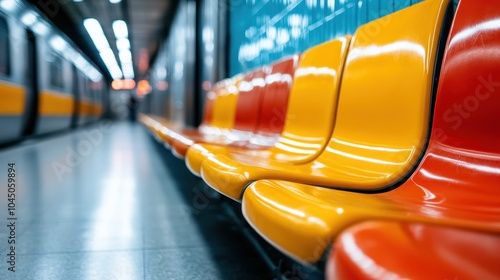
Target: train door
[(31, 85), (76, 96)]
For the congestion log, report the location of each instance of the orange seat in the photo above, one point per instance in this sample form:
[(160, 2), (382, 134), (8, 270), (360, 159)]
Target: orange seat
[(382, 120), (391, 250), (456, 184), (254, 95)]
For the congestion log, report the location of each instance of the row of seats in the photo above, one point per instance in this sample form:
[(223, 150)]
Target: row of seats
[(384, 144)]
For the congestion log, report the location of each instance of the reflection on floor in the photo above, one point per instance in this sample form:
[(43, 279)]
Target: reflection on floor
[(104, 202)]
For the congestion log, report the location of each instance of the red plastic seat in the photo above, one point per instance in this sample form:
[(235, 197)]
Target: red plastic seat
[(391, 250), (273, 112), (457, 181), (261, 94)]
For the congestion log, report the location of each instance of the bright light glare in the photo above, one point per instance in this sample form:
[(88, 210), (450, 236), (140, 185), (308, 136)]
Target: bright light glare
[(114, 1), (8, 5), (40, 28), (125, 56), (28, 18), (120, 29), (58, 43), (97, 34), (122, 44)]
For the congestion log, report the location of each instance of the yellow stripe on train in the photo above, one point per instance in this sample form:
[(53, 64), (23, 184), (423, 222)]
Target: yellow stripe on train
[(12, 99), (88, 108), (53, 103)]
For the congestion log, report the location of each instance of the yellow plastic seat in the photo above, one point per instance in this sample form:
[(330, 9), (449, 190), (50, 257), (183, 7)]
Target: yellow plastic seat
[(285, 213), (225, 105), (219, 120), (383, 114), (313, 97), (155, 124), (455, 185)]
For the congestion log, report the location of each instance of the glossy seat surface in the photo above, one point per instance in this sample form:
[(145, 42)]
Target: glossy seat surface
[(155, 124), (313, 97), (265, 89), (383, 113), (219, 115), (164, 130), (236, 111), (456, 184), (273, 108), (272, 112), (392, 250)]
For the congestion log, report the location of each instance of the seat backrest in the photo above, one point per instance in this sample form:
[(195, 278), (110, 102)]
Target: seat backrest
[(312, 102), (278, 83), (251, 90), (208, 108), (224, 107), (386, 96), (467, 114), (461, 170)]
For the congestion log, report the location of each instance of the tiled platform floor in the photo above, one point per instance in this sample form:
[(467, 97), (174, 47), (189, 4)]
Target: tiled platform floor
[(107, 202)]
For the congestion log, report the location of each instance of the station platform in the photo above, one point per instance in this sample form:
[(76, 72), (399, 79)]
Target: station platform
[(107, 202)]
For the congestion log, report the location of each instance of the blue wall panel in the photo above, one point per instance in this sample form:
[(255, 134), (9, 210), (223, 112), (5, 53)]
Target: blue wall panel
[(386, 7), (362, 12), (265, 31), (373, 9), (400, 4)]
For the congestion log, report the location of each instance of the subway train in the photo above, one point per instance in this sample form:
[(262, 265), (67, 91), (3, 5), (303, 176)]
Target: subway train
[(46, 83)]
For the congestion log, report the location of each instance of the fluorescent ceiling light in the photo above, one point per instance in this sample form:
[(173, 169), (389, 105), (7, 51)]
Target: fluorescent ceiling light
[(28, 19), (70, 55), (108, 52), (108, 57), (58, 43), (8, 5), (114, 1), (128, 74), (40, 28), (125, 56), (96, 33), (79, 60), (122, 44), (92, 25), (110, 61), (120, 29), (116, 74)]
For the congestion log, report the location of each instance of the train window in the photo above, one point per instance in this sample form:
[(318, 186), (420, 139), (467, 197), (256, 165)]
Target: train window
[(56, 71), (4, 47)]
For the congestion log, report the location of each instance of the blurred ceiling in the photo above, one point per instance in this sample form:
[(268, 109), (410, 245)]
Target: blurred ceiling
[(147, 22)]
